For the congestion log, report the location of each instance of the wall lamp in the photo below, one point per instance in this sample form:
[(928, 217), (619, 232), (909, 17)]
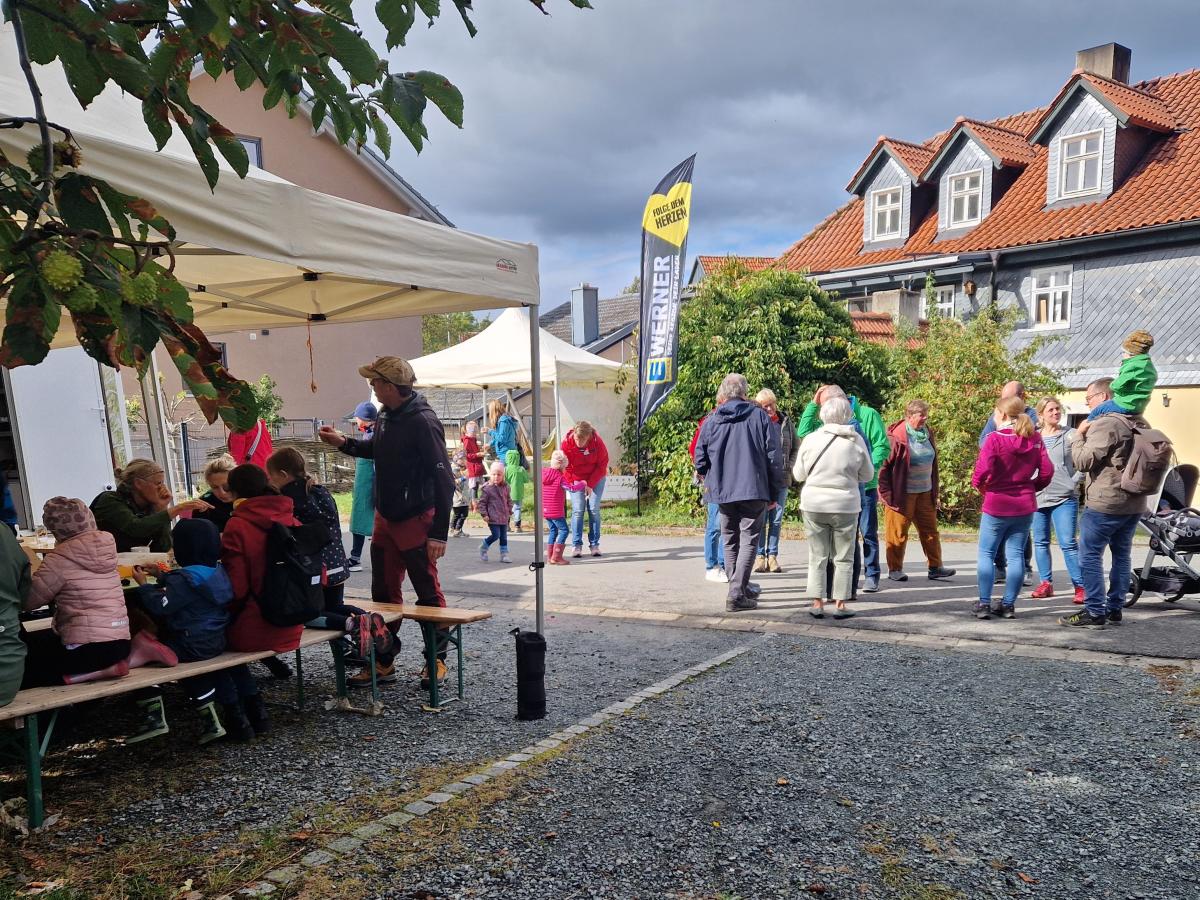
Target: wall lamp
[(1166, 399)]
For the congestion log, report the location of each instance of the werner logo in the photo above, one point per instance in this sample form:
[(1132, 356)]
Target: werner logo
[(658, 371), (506, 265), (663, 297)]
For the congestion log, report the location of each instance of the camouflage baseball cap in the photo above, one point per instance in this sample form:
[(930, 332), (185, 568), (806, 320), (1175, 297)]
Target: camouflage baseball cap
[(389, 368)]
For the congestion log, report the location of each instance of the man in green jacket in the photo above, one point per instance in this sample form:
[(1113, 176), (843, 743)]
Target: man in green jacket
[(869, 424), (14, 588)]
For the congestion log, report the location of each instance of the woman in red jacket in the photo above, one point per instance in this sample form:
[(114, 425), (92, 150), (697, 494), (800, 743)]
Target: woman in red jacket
[(587, 461), (256, 507)]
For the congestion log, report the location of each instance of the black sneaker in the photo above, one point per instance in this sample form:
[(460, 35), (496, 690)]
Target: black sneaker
[(1114, 617), (983, 611), (1083, 619), (1008, 612), (941, 572), (1001, 576), (740, 605), (997, 608)]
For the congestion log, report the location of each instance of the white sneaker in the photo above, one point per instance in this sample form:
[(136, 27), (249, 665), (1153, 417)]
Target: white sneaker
[(717, 574)]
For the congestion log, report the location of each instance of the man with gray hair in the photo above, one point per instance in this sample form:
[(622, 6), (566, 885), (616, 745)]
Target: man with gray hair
[(738, 458)]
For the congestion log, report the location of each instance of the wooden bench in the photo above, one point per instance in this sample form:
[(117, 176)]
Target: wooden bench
[(28, 704)]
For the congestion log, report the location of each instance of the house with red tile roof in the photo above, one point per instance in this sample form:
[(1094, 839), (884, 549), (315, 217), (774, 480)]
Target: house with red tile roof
[(1083, 215)]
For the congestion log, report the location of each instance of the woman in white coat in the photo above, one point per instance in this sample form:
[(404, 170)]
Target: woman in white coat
[(832, 463)]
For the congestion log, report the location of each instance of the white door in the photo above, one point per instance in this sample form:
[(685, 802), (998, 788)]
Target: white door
[(57, 411)]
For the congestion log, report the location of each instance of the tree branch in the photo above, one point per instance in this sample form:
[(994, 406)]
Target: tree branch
[(62, 21), (39, 112)]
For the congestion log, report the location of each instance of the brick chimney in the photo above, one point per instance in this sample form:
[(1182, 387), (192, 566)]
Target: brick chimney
[(585, 315), (1108, 61)]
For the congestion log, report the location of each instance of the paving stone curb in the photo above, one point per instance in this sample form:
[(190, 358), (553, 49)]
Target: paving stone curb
[(347, 844)]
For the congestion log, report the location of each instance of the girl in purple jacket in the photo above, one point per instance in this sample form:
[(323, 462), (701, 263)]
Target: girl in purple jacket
[(1011, 469), (495, 505)]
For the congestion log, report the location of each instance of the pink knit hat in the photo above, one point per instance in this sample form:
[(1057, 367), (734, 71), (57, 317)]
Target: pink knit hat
[(67, 517)]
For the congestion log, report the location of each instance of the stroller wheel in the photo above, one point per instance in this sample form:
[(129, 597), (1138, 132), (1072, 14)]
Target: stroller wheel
[(1135, 589)]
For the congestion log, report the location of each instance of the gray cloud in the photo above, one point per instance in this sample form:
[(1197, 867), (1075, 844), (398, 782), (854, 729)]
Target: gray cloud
[(572, 118)]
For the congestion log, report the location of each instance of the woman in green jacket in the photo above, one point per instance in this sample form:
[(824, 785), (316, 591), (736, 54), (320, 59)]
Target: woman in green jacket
[(14, 588), (362, 508)]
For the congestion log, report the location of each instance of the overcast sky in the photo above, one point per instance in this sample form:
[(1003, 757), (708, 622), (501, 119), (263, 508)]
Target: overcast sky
[(572, 119)]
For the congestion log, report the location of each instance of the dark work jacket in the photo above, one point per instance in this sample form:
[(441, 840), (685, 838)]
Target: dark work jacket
[(412, 469), (738, 455), (193, 604)]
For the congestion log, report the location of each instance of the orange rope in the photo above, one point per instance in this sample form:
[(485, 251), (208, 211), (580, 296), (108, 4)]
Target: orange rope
[(312, 374)]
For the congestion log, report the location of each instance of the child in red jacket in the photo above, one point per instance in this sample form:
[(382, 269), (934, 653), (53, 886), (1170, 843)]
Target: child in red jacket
[(555, 484)]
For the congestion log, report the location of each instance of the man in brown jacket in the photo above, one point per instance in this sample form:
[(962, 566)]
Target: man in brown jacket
[(1109, 519)]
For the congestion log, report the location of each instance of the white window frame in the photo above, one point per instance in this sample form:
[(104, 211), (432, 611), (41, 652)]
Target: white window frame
[(965, 193), (945, 295), (897, 207), (1053, 290), (1082, 158), (253, 147)]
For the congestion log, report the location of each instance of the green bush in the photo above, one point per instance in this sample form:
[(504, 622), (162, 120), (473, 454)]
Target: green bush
[(777, 328), (958, 368)]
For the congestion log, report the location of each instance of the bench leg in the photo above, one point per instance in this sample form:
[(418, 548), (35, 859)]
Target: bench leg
[(299, 681), (339, 667), (430, 633), (375, 707), (33, 773), (457, 632)]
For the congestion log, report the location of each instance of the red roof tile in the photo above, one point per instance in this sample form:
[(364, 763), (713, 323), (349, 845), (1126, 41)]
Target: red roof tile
[(1160, 190), (1142, 108), (878, 327), (913, 157), (754, 263), (1011, 148)]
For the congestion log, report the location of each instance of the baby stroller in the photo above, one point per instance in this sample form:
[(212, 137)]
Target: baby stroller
[(1174, 528)]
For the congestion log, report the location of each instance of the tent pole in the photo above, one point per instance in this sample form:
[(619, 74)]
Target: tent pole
[(535, 384)]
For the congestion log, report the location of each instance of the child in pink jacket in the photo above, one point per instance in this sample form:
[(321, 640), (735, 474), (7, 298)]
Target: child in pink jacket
[(555, 485), (79, 577)]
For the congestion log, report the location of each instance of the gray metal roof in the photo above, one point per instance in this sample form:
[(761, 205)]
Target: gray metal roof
[(615, 313)]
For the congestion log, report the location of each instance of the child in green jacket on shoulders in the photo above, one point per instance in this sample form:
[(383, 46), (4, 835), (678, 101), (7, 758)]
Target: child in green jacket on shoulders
[(1135, 379)]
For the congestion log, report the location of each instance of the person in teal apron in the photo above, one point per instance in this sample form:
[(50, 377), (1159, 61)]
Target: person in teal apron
[(362, 509)]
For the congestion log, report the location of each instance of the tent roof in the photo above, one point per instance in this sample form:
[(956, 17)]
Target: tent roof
[(250, 248), (498, 357)]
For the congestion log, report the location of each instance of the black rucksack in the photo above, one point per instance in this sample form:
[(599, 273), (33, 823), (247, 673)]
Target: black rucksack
[(292, 591)]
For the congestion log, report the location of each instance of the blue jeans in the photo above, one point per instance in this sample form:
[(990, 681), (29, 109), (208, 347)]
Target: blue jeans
[(1010, 532), (714, 547), (868, 528), (768, 542), (557, 531), (1062, 517), (592, 506), (498, 533), (1109, 406), (1098, 530)]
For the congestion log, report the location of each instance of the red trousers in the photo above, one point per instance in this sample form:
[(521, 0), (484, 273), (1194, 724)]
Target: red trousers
[(397, 549)]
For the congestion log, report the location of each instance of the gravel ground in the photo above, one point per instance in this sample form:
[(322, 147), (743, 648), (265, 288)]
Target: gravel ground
[(318, 757), (856, 770)]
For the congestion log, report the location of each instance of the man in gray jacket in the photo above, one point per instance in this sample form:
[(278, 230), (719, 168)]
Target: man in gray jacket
[(738, 457), (1109, 519)]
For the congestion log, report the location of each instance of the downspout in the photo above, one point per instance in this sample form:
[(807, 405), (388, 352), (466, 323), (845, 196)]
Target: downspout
[(993, 308)]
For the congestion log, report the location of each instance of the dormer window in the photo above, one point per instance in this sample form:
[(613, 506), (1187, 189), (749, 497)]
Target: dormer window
[(1079, 163), (966, 198), (886, 208)]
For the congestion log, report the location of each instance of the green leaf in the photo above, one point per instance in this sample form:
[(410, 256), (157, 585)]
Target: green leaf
[(243, 75), (125, 206), (318, 114), (397, 16), (404, 99), (442, 93), (274, 91), (230, 147), (343, 124), (155, 113), (352, 52), (132, 75), (198, 16), (165, 58), (78, 203), (431, 8), (383, 137), (42, 37), (174, 297), (213, 66), (83, 74)]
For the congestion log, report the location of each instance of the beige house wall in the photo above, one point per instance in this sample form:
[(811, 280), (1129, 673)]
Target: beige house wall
[(1180, 421), (291, 150)]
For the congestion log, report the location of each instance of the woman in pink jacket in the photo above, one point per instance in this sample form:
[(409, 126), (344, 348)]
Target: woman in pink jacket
[(1011, 469), (90, 640)]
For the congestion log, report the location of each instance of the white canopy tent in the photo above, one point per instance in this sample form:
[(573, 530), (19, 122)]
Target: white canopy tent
[(261, 252), (498, 358)]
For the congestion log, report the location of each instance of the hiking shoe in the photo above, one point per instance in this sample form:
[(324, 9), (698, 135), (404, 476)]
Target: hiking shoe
[(441, 674), (941, 572), (383, 675), (1042, 591), (154, 721), (213, 729), (1008, 612), (754, 589), (1079, 595), (996, 607), (596, 550), (384, 641), (983, 611), (773, 565), (483, 553), (358, 629), (760, 564), (1113, 617), (1083, 619), (871, 585), (277, 667), (577, 553), (740, 605), (237, 726), (897, 575)]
